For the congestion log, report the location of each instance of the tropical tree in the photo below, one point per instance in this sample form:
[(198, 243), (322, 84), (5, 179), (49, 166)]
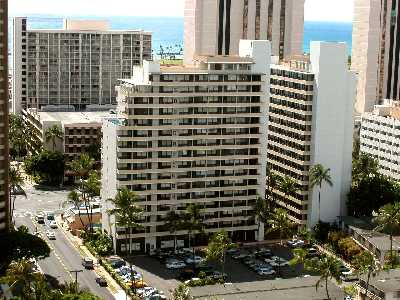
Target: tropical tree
[(82, 166), (364, 166), (18, 136), (365, 264), (53, 134), (388, 220), (216, 249), (272, 183), (173, 221), (329, 268), (261, 212), (75, 199), (15, 181), (300, 256), (20, 275), (318, 175), (182, 292), (127, 213), (91, 189), (279, 222), (288, 186)]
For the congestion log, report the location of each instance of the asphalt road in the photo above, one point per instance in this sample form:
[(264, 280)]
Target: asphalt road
[(64, 256)]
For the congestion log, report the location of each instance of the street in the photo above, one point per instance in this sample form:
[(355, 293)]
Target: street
[(64, 256)]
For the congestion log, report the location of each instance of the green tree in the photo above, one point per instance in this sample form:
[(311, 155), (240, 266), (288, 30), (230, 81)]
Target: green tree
[(272, 184), (127, 213), (216, 249), (370, 193), (364, 166), (18, 136), (319, 175), (91, 189), (53, 134), (15, 181), (388, 220), (279, 222), (329, 268), (365, 264), (182, 292), (173, 221), (47, 166), (261, 212), (288, 186), (20, 275), (75, 199), (94, 151)]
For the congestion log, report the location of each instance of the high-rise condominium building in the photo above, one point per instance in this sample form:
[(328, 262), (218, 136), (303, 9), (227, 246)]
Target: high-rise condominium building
[(380, 137), (5, 205), (190, 135), (310, 122), (376, 49), (78, 65), (214, 27)]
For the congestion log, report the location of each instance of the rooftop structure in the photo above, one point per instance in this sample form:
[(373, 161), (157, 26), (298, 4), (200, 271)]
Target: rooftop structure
[(77, 66), (190, 136)]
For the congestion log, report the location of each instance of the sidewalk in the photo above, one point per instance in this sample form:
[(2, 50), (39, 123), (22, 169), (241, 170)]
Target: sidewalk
[(113, 286)]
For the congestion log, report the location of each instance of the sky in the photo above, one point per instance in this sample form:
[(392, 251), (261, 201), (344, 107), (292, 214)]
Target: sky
[(320, 10)]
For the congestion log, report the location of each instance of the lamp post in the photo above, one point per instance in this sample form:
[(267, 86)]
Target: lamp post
[(76, 277)]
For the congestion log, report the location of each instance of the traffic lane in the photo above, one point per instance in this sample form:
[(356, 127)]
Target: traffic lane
[(50, 265), (73, 260)]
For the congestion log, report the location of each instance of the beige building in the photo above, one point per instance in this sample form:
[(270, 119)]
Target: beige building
[(380, 137), (375, 53), (5, 206), (310, 122), (190, 134), (78, 65), (215, 27), (80, 130)]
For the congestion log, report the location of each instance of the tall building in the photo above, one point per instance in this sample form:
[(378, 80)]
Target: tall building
[(376, 49), (190, 134), (310, 122), (75, 66), (215, 27), (5, 205), (380, 137)]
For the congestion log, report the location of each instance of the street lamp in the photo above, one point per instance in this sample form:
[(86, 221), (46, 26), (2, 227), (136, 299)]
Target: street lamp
[(76, 277)]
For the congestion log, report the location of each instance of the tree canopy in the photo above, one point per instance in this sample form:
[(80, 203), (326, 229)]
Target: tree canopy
[(47, 166)]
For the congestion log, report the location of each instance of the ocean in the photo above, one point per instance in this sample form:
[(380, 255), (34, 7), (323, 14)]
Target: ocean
[(168, 32)]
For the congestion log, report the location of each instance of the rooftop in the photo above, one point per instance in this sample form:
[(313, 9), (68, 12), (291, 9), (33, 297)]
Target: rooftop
[(389, 108), (70, 117), (232, 59), (379, 240), (386, 281)]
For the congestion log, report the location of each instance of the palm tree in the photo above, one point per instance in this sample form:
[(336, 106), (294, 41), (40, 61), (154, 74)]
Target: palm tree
[(91, 188), (216, 249), (260, 211), (20, 273), (75, 198), (52, 134), (329, 268), (280, 222), (193, 223), (182, 292), (272, 183), (365, 166), (288, 186), (319, 175), (365, 264), (127, 213), (174, 222), (15, 180), (388, 220)]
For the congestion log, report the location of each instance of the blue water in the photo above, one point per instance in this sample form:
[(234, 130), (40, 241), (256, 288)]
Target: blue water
[(168, 32)]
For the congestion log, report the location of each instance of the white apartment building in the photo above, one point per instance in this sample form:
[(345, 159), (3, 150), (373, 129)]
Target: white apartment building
[(375, 52), (311, 122), (215, 27), (190, 134), (380, 137), (78, 65)]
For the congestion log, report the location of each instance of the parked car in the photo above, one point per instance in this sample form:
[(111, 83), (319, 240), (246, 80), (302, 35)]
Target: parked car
[(39, 218), (116, 262), (196, 260), (233, 251), (146, 291), (277, 261), (265, 272), (87, 263), (312, 252), (175, 265), (50, 235), (218, 275), (156, 297), (240, 256), (101, 281), (53, 224), (295, 243), (50, 216)]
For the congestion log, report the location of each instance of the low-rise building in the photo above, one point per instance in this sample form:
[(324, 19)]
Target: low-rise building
[(383, 286), (80, 130), (380, 137), (79, 219)]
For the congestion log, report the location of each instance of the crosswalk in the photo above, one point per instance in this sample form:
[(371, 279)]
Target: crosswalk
[(20, 215)]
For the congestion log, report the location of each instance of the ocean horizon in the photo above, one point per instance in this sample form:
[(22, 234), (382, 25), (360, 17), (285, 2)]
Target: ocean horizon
[(168, 31)]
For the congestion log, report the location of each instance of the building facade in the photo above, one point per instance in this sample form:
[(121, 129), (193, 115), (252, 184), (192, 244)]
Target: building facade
[(194, 134), (380, 137), (5, 205), (310, 122), (78, 65), (375, 52), (215, 27), (81, 131)]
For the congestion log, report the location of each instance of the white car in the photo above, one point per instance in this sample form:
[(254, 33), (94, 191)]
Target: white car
[(50, 235), (294, 243), (53, 224), (175, 265), (196, 260), (277, 261), (265, 272), (146, 291)]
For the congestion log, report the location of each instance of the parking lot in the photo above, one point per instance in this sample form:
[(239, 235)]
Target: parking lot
[(155, 273)]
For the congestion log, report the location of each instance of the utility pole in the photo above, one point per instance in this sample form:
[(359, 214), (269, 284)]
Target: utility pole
[(76, 277)]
